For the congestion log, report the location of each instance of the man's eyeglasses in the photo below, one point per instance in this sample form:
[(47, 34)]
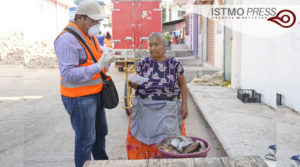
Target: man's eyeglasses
[(95, 21)]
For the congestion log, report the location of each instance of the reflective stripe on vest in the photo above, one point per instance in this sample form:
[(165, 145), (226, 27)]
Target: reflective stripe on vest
[(82, 84)]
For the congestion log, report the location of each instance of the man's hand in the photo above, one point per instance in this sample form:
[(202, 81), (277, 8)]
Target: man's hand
[(184, 111), (106, 58)]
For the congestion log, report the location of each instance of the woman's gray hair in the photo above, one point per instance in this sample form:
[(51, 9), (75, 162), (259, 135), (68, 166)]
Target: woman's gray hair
[(159, 35)]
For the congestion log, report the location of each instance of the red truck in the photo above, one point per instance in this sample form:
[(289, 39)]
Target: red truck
[(132, 22)]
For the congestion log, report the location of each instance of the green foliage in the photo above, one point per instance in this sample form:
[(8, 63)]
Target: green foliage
[(168, 37), (164, 14)]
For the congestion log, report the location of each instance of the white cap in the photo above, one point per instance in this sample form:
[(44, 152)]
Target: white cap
[(90, 8)]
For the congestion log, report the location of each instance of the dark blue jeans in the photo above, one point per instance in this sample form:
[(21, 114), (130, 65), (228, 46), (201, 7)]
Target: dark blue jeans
[(89, 123)]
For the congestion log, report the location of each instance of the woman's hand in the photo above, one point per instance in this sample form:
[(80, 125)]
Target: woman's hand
[(184, 111), (133, 84), (183, 90)]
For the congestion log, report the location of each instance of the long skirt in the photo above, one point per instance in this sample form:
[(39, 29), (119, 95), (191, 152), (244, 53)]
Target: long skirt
[(139, 150)]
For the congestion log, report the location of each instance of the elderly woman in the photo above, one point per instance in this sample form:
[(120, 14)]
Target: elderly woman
[(160, 105)]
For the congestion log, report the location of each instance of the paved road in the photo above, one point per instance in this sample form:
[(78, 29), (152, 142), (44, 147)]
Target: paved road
[(34, 127)]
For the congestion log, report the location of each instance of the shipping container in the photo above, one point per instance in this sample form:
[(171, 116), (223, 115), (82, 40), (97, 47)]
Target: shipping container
[(132, 22)]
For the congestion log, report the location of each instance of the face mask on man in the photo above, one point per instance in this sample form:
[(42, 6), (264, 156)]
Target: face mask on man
[(94, 30)]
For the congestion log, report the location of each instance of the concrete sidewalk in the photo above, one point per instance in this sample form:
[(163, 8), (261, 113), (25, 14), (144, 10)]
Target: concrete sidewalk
[(248, 129)]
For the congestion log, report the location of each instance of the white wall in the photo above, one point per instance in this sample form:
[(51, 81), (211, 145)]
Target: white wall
[(288, 58), (288, 68), (204, 33), (200, 41), (189, 38), (170, 5), (26, 23), (44, 19), (258, 64), (107, 8), (219, 42), (174, 12), (236, 60), (270, 66), (258, 67), (11, 16), (219, 45)]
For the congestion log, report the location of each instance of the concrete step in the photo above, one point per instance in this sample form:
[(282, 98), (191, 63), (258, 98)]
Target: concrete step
[(189, 61), (180, 50), (178, 46), (180, 53)]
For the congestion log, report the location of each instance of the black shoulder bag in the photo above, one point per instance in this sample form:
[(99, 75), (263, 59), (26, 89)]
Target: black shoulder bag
[(109, 94)]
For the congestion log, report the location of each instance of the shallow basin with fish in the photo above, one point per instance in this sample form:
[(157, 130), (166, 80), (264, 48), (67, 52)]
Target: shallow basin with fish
[(185, 147)]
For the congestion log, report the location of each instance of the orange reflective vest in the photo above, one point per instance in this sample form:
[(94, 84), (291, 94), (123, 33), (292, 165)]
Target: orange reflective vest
[(92, 86), (107, 43)]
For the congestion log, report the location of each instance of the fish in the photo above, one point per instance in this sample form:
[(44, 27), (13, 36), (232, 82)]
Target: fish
[(165, 142), (202, 146), (183, 144), (175, 142), (168, 148), (172, 150), (195, 147), (191, 148), (184, 138)]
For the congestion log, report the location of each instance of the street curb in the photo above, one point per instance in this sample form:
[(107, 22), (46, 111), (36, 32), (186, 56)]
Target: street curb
[(210, 123)]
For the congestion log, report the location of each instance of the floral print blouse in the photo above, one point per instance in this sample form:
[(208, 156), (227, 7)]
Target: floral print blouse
[(163, 79)]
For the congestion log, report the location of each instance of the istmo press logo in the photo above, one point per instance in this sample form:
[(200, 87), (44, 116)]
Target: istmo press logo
[(284, 18)]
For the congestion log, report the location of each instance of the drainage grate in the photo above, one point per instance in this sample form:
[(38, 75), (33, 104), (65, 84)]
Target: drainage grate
[(278, 99)]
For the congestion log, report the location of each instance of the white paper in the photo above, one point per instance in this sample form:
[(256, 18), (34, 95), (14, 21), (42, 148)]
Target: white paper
[(137, 79)]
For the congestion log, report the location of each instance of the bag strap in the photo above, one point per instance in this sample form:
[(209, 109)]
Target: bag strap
[(103, 76)]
